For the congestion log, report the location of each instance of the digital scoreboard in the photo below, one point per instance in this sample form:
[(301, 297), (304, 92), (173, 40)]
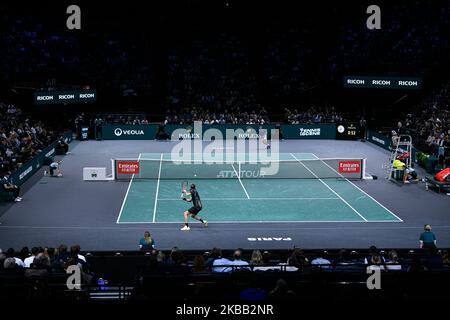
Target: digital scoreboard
[(62, 97), (347, 131)]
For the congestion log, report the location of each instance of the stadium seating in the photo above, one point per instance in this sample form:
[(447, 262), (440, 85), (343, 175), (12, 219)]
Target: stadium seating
[(130, 276)]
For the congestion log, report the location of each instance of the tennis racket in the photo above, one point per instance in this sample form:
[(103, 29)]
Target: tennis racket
[(184, 185)]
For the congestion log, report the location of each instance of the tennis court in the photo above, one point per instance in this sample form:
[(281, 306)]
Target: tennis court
[(235, 200)]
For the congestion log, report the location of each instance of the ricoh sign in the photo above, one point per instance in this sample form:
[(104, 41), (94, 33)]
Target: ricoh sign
[(62, 97), (382, 82)]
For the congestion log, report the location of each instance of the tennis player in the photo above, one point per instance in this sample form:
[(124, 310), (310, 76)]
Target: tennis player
[(195, 209), (264, 137)]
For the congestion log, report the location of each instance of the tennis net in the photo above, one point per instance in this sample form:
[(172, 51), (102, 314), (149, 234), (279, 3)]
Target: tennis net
[(343, 168)]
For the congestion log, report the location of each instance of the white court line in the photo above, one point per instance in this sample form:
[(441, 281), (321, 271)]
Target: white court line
[(239, 178), (270, 199), (126, 194), (157, 188), (331, 189), (270, 221), (383, 227), (360, 189)]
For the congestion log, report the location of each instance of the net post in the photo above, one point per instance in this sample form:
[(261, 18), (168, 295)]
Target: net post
[(363, 171), (239, 168), (113, 167)]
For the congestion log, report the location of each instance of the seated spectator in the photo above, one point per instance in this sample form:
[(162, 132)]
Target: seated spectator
[(393, 262), (376, 260), (10, 187), (81, 260), (55, 265), (147, 242), (86, 278), (10, 264), (24, 253), (373, 251), (11, 253), (445, 257), (427, 238), (39, 267), (221, 264), (298, 258), (75, 252), (431, 140), (347, 262), (34, 252), (199, 265), (62, 147), (178, 262), (256, 258), (265, 263), (237, 256), (62, 254), (161, 257), (321, 261)]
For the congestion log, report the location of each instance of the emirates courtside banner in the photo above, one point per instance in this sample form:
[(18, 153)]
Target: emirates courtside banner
[(382, 82)]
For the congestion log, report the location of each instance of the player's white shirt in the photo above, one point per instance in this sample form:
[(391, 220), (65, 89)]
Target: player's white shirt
[(263, 136), (263, 133)]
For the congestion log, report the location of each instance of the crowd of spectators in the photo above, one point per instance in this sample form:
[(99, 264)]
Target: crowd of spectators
[(42, 262), (211, 74), (312, 115), (234, 75), (47, 56), (429, 122), (400, 46), (21, 138), (222, 68), (232, 115), (126, 119), (214, 261)]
